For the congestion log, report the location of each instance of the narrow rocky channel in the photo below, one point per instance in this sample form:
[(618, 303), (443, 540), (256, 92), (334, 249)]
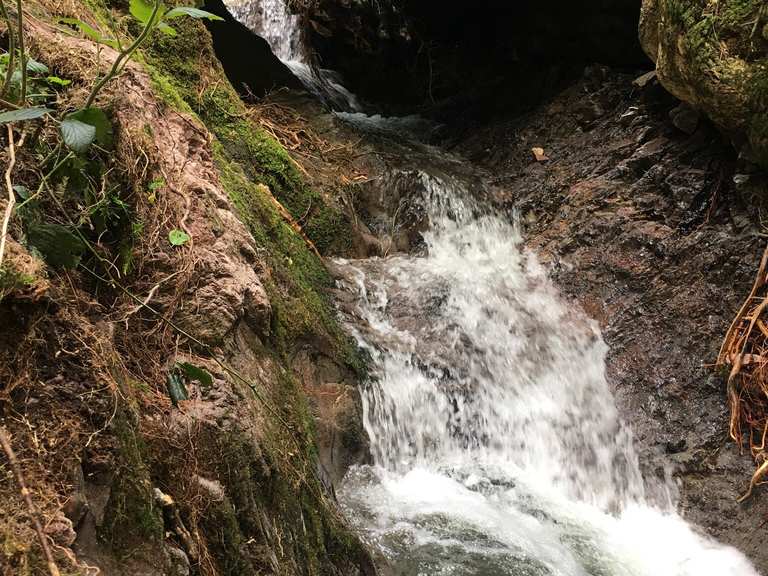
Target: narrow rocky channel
[(496, 445)]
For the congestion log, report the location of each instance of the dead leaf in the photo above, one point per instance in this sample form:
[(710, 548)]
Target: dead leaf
[(538, 153), (641, 81)]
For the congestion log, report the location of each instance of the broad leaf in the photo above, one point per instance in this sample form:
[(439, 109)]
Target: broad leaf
[(178, 237), (192, 12), (23, 114), (77, 135), (57, 244), (98, 119), (142, 10), (36, 67), (165, 29), (196, 373), (176, 389), (21, 191)]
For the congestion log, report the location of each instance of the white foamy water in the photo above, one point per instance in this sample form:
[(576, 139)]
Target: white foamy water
[(273, 21), (497, 446)]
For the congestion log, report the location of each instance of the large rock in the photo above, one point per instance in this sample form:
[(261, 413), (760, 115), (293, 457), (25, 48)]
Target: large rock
[(714, 55)]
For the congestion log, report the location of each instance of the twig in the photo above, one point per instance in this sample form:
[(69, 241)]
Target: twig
[(8, 449), (11, 195), (123, 56), (756, 477), (22, 54)]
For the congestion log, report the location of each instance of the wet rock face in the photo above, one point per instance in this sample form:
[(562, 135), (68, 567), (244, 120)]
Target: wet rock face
[(654, 232), (401, 53), (716, 60)]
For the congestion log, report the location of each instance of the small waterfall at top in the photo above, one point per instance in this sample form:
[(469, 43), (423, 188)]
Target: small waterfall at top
[(273, 21)]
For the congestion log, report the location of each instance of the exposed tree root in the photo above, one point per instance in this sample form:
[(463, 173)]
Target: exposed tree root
[(745, 350)]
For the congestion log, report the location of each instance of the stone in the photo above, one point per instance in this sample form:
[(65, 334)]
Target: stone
[(726, 80), (685, 118)]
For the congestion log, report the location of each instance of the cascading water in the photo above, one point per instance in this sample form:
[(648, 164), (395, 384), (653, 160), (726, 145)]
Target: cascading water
[(497, 446), (273, 21)]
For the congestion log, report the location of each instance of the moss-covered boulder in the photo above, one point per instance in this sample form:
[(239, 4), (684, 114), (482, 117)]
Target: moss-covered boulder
[(714, 55)]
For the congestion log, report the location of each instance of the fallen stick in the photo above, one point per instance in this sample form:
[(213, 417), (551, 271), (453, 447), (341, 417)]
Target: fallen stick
[(33, 514)]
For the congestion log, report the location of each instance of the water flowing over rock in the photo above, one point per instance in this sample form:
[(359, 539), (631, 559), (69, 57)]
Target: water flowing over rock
[(496, 443), (273, 21)]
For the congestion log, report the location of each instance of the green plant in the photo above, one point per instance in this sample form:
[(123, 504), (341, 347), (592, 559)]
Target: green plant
[(81, 128)]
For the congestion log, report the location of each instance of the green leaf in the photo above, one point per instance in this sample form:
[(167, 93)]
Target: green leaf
[(21, 191), (165, 29), (57, 244), (84, 27), (196, 373), (77, 135), (23, 114), (56, 81), (156, 184), (90, 32), (192, 12), (178, 237), (142, 11), (97, 118), (176, 389), (36, 67)]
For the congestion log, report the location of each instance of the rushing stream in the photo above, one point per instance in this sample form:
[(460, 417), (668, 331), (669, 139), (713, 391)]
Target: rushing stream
[(496, 443), (497, 447)]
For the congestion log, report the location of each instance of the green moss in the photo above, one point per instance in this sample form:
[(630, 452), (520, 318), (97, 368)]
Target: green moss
[(12, 280), (722, 64), (131, 519), (187, 76), (182, 68), (296, 288)]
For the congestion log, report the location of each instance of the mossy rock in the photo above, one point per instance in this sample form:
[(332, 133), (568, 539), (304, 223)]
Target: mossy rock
[(713, 55), (131, 519)]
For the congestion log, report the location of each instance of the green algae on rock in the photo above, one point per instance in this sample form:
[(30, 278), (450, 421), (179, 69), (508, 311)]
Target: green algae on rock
[(713, 55)]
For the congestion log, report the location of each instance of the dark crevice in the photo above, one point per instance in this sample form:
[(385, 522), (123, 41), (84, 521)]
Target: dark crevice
[(479, 58)]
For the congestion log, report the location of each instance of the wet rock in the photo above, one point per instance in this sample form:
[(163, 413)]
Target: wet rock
[(662, 269), (647, 155), (685, 117)]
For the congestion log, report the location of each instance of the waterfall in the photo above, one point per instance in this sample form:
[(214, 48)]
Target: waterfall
[(273, 21), (497, 446)]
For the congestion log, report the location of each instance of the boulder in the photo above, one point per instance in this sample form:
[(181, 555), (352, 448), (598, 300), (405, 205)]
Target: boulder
[(714, 56)]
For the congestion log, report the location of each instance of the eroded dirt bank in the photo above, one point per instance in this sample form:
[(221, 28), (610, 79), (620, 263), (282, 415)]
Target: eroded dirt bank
[(160, 397), (644, 226)]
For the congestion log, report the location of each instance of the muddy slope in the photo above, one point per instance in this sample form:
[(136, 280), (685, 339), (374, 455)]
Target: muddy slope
[(643, 226)]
